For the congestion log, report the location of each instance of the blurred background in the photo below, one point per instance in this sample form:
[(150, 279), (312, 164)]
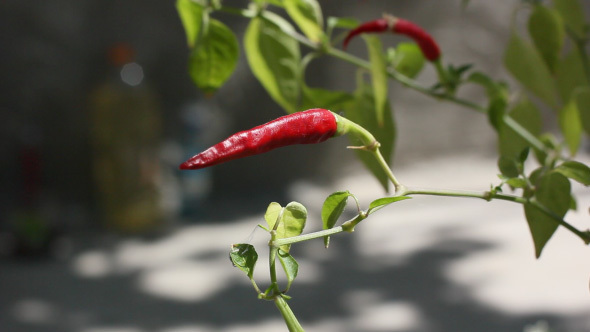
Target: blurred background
[(99, 231)]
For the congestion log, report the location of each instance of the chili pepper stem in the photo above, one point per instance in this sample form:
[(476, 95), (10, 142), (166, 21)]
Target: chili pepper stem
[(443, 76), (370, 144)]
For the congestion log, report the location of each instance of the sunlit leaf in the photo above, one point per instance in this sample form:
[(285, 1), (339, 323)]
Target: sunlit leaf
[(274, 58), (571, 126), (272, 214), (291, 220), (378, 77), (553, 192), (244, 257), (214, 58), (307, 14), (290, 266), (332, 209), (191, 15), (548, 33), (528, 67)]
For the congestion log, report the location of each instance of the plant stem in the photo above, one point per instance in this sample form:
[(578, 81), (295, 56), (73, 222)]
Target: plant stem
[(396, 184), (305, 237), (523, 132), (272, 259), (288, 315), (486, 195)]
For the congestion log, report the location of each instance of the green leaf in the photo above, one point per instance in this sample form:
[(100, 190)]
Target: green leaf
[(516, 182), (290, 266), (332, 209), (383, 202), (244, 256), (214, 58), (378, 77), (322, 98), (528, 116), (582, 98), (274, 58), (191, 15), (571, 126), (575, 171), (553, 192), (361, 111), (508, 166), (527, 66), (497, 93), (573, 15), (548, 33), (570, 75), (291, 220), (408, 59), (307, 14), (342, 22)]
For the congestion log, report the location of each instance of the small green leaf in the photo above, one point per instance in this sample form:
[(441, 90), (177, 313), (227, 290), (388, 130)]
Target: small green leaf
[(571, 126), (272, 214), (307, 14), (291, 220), (528, 116), (575, 171), (191, 15), (332, 209), (274, 58), (516, 182), (528, 67), (214, 58), (570, 75), (361, 111), (508, 166), (582, 98), (497, 93), (548, 33), (553, 192), (342, 22), (573, 16), (378, 77), (322, 98), (408, 59), (244, 256), (383, 202), (290, 266)]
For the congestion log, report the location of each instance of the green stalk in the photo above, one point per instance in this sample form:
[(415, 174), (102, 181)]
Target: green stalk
[(306, 237), (288, 315), (488, 196)]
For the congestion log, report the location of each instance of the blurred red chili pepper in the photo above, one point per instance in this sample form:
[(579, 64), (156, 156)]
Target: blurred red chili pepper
[(426, 43), (307, 127)]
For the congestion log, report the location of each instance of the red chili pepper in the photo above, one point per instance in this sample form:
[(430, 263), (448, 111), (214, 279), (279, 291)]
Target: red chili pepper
[(426, 43), (375, 26), (307, 127)]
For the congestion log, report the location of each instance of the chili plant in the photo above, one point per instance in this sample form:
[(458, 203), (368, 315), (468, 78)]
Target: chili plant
[(550, 64)]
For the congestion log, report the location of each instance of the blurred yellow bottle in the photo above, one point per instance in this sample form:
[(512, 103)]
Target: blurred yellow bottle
[(126, 134)]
